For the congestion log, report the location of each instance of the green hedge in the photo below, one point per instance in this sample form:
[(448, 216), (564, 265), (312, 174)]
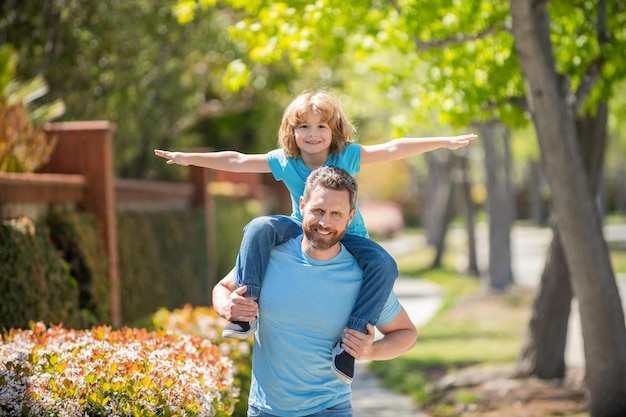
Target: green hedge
[(164, 260), (39, 280), (57, 272)]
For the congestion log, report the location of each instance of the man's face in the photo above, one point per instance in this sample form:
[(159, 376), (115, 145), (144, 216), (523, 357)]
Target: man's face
[(325, 218)]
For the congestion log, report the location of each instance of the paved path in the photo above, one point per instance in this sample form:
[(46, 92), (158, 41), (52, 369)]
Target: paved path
[(422, 299)]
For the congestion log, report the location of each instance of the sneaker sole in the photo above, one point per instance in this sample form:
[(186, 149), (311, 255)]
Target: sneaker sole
[(236, 335), (230, 334), (340, 375)]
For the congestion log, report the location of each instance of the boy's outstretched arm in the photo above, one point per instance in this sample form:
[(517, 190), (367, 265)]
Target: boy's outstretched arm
[(404, 147), (221, 160)]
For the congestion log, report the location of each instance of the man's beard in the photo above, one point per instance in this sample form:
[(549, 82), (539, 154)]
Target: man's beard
[(322, 244)]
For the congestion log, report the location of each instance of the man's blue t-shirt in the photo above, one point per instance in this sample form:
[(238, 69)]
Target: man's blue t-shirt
[(293, 172), (303, 308)]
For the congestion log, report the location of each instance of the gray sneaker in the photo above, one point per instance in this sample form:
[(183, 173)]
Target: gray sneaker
[(239, 329)]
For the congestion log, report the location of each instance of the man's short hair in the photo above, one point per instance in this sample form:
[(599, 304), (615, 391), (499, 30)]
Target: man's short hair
[(333, 178)]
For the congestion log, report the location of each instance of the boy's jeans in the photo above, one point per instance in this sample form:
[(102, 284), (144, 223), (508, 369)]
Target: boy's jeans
[(379, 268)]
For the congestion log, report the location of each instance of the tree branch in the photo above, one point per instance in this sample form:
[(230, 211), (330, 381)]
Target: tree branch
[(453, 40)]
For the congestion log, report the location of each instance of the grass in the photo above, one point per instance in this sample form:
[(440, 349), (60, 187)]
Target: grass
[(463, 333)]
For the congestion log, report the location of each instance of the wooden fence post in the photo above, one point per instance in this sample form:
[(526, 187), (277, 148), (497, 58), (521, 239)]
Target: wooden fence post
[(86, 148)]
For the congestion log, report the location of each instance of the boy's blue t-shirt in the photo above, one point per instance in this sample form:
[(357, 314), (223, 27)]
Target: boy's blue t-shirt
[(293, 172), (304, 306)]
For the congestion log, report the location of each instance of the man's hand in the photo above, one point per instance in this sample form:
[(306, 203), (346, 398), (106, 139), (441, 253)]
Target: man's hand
[(240, 308), (357, 344), (229, 302)]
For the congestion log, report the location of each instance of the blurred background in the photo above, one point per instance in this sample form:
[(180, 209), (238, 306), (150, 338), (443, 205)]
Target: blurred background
[(96, 229)]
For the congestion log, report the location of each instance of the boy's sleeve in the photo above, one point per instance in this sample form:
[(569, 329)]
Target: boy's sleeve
[(277, 161), (352, 159)]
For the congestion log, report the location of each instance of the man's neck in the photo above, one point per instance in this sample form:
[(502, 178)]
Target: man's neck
[(320, 254)]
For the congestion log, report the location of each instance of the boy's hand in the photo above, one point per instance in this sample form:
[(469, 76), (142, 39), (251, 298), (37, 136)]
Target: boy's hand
[(457, 142), (172, 157)]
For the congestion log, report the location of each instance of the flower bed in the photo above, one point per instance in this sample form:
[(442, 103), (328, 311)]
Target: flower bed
[(103, 372), (204, 322)]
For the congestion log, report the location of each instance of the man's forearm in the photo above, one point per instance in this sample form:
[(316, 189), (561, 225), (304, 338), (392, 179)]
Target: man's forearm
[(221, 297), (393, 344)]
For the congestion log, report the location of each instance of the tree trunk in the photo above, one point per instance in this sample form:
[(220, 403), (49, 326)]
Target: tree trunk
[(575, 213), (543, 349), (537, 203), (439, 205), (465, 199), (495, 138), (436, 196), (447, 195)]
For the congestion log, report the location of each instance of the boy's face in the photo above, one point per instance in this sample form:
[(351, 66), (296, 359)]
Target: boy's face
[(325, 218), (313, 135)]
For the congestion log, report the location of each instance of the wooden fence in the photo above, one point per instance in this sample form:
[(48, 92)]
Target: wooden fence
[(79, 176)]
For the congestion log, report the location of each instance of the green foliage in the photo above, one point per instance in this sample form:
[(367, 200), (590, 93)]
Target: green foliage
[(35, 283), (164, 259), (132, 63), (100, 372), (453, 61), (230, 218), (24, 146)]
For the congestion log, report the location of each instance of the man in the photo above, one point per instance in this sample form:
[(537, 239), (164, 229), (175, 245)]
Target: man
[(306, 299)]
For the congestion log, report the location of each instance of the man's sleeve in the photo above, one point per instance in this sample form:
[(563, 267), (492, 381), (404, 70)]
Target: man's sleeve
[(390, 311)]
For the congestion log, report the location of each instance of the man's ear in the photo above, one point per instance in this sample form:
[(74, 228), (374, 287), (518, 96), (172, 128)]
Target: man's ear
[(352, 213), (302, 204)]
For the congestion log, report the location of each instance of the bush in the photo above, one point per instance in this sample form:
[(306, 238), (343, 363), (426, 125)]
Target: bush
[(164, 257), (77, 237), (35, 283), (100, 372), (204, 322), (163, 262)]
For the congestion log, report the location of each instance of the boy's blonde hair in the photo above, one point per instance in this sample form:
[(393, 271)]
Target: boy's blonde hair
[(320, 102)]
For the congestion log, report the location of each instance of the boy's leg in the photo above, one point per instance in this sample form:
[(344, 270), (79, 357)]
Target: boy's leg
[(379, 274), (259, 237)]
